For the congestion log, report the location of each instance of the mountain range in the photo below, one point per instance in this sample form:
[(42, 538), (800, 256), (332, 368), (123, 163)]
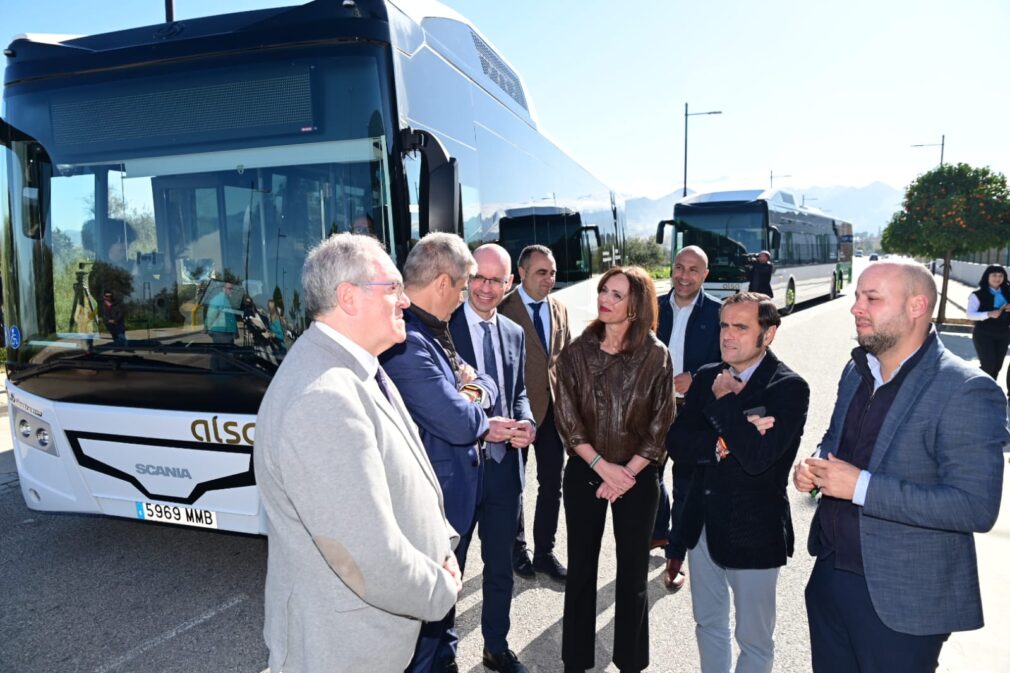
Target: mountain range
[(868, 208)]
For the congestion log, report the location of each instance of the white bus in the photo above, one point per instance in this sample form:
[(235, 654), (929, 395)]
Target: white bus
[(811, 251), (161, 187)]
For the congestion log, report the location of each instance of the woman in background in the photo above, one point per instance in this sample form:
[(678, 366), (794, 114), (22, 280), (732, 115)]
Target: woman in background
[(989, 307), (614, 407)]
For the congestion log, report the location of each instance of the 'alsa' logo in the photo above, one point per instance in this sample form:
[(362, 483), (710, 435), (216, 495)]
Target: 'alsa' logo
[(164, 471), (234, 433)]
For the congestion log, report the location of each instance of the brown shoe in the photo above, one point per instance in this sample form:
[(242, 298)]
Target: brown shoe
[(673, 577), (658, 543)]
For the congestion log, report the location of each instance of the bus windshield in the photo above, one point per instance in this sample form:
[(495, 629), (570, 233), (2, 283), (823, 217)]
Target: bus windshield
[(196, 242), (728, 236)]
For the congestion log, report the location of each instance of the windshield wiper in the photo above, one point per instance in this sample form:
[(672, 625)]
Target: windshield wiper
[(100, 361)]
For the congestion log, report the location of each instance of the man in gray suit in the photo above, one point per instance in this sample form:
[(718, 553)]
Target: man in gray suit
[(360, 551), (910, 467)]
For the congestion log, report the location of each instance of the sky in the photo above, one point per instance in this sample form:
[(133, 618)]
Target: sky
[(820, 94)]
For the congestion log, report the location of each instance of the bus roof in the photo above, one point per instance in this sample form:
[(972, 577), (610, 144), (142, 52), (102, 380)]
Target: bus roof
[(777, 199)]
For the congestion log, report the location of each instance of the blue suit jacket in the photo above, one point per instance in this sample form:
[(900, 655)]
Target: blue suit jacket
[(701, 338), (937, 471), (449, 425), (512, 341)]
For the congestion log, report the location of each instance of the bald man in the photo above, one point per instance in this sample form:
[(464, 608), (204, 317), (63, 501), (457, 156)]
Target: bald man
[(910, 468), (496, 347)]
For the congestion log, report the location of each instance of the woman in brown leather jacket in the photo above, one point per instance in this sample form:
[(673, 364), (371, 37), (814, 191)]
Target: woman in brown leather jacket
[(614, 406)]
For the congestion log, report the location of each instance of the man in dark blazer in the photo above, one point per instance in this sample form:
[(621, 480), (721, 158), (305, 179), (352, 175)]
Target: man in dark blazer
[(495, 346), (909, 469), (741, 427), (689, 326), (544, 319), (437, 388)]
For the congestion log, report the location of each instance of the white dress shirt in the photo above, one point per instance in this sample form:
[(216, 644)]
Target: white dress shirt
[(545, 313)]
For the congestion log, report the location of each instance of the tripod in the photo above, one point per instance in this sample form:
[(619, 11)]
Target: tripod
[(82, 299)]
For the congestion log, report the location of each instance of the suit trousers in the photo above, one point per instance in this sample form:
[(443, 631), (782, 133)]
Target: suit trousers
[(495, 522), (585, 516), (668, 514), (847, 635), (991, 351), (550, 454), (754, 602)]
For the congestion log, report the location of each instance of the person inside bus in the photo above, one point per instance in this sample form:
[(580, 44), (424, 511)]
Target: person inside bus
[(615, 405), (363, 224), (989, 307), (760, 274), (220, 323)]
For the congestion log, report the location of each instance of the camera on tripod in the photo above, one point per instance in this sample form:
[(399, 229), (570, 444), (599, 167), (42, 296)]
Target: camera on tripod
[(83, 310)]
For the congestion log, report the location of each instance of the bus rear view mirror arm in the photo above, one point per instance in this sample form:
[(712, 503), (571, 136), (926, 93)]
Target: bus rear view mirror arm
[(661, 228), (439, 193), (593, 228)]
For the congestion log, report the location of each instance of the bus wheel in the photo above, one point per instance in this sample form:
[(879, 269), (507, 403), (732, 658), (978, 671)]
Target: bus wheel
[(790, 299), (835, 282)]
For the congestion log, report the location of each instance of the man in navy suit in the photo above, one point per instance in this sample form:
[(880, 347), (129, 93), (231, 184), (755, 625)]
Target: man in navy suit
[(689, 326), (909, 469), (496, 347), (447, 400)]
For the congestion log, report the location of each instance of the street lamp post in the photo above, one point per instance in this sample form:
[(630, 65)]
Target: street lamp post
[(943, 141), (686, 115), (771, 179)]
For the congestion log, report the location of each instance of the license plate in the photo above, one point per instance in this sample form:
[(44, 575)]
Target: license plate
[(185, 516)]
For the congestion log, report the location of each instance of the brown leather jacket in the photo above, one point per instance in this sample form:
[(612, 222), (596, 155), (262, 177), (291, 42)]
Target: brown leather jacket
[(620, 404)]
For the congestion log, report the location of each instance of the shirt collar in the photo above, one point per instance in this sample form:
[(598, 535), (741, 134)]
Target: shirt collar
[(874, 364), (527, 299), (369, 362), (747, 373), (473, 319), (673, 302)]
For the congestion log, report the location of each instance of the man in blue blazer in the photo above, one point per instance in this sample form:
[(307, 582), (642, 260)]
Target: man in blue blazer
[(909, 469), (689, 326), (434, 383), (496, 347)]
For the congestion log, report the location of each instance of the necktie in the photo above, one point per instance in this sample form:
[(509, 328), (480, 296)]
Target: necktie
[(380, 378), (495, 449), (538, 324)]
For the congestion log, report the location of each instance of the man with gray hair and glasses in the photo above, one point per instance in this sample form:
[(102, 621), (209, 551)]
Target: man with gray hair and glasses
[(360, 551), (449, 401)]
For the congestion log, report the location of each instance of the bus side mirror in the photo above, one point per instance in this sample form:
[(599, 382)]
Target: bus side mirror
[(661, 228), (776, 238), (595, 229), (38, 173), (439, 193)]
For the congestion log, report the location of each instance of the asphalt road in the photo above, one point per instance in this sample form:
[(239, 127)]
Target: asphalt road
[(102, 595)]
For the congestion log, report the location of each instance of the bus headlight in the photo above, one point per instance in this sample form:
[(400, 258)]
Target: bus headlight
[(35, 432)]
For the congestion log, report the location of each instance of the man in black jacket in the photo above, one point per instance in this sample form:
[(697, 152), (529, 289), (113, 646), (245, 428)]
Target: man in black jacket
[(741, 428)]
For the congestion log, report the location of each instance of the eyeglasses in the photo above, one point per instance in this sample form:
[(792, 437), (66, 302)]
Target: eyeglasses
[(395, 287), (494, 282)]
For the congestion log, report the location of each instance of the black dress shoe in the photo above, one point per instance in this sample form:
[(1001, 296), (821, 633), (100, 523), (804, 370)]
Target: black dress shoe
[(447, 665), (522, 565), (550, 566), (506, 662)]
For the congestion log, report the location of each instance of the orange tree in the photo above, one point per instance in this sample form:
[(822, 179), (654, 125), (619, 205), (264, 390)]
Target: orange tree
[(949, 211)]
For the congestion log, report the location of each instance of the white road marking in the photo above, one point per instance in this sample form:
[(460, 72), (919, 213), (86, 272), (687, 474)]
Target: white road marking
[(171, 633)]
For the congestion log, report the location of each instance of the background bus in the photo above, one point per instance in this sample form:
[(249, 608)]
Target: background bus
[(811, 251), (182, 171)]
